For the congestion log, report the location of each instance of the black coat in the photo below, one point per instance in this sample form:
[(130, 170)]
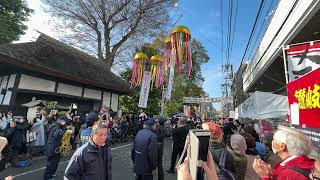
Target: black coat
[(144, 152), (90, 163), (55, 135), (19, 134), (179, 136), (161, 133)]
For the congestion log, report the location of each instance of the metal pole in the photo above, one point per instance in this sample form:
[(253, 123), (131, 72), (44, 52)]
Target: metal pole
[(285, 63)]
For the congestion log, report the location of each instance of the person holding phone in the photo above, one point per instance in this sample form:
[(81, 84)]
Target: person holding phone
[(208, 167)]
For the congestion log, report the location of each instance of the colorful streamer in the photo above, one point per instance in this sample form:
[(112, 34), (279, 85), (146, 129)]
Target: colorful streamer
[(157, 71), (181, 48), (138, 69)]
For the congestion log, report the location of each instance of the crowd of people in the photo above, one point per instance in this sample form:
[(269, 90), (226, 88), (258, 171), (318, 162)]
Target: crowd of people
[(235, 151)]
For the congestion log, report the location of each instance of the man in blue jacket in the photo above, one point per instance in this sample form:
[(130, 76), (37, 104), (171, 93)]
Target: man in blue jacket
[(85, 134), (92, 161), (55, 135), (144, 151)]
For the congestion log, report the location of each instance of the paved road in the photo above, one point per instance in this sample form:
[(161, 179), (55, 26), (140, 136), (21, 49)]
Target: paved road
[(121, 165)]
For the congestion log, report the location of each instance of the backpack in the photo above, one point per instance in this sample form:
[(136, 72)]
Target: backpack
[(222, 172)]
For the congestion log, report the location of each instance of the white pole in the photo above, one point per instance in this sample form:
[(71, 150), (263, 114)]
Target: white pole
[(285, 63)]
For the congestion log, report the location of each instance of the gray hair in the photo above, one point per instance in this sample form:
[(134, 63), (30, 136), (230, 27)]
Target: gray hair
[(297, 143), (97, 126)]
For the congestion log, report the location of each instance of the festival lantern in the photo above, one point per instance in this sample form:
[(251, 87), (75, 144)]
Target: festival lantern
[(138, 69), (157, 71), (181, 50)]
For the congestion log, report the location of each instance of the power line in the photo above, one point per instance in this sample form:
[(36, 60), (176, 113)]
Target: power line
[(260, 30), (234, 25), (253, 30)]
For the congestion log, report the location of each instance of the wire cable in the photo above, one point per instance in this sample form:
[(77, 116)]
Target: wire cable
[(252, 31)]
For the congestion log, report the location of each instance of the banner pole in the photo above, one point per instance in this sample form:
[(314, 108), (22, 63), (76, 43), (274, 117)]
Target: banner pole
[(285, 63)]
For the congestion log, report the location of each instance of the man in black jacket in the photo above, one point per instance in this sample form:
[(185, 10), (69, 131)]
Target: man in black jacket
[(93, 159), (160, 132), (144, 151), (179, 136), (55, 135)]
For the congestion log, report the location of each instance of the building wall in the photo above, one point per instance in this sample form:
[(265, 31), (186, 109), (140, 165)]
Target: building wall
[(69, 89), (37, 84), (7, 81), (284, 26)]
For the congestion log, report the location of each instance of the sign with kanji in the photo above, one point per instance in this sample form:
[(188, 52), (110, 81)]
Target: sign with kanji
[(304, 103), (145, 87), (303, 59)]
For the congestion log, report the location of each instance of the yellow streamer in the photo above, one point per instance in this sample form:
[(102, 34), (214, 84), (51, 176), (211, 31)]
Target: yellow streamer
[(65, 147)]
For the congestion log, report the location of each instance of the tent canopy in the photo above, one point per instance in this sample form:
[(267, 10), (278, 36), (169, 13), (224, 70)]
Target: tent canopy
[(263, 105)]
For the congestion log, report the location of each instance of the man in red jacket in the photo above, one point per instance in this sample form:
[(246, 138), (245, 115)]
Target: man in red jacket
[(293, 147)]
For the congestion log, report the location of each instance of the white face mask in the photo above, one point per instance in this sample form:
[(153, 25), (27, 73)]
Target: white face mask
[(273, 149)]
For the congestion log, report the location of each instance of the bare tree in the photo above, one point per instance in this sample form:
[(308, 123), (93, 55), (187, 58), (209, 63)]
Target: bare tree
[(107, 27)]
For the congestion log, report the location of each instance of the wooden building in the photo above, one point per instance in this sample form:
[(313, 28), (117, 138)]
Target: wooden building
[(48, 69)]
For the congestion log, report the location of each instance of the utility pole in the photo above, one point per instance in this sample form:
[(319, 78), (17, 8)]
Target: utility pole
[(226, 87)]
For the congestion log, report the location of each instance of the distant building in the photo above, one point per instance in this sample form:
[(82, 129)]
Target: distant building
[(50, 70)]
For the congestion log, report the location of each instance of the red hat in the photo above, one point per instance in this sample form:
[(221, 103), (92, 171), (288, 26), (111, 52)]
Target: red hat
[(214, 129)]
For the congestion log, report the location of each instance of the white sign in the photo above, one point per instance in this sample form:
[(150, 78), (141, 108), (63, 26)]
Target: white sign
[(203, 100), (170, 82), (232, 114), (294, 114), (145, 87)]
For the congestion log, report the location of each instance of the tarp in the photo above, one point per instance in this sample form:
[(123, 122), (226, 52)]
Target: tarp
[(263, 105)]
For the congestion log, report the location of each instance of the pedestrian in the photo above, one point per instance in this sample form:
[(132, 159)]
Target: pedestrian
[(293, 147), (227, 130), (18, 142), (179, 136), (56, 132), (237, 147), (38, 128), (251, 154), (85, 134), (217, 146), (208, 167), (160, 132), (259, 146), (144, 151), (93, 160)]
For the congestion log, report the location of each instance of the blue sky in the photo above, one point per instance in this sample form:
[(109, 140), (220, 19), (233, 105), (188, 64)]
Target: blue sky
[(204, 21)]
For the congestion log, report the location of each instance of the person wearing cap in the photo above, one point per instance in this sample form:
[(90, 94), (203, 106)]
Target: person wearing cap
[(56, 131), (85, 134), (217, 146), (237, 147), (293, 147), (144, 152), (179, 136)]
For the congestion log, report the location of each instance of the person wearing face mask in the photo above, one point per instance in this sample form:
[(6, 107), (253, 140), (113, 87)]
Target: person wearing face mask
[(56, 132), (293, 147), (93, 159)]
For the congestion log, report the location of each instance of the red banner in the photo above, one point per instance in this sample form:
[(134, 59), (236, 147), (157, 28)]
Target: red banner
[(304, 100)]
